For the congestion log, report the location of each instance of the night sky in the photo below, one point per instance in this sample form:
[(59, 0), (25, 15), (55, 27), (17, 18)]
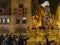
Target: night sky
[(53, 4)]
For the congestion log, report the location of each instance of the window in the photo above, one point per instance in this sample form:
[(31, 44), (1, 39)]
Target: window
[(5, 3), (24, 20), (20, 5), (4, 20), (17, 21), (34, 8), (20, 10), (1, 11), (8, 20)]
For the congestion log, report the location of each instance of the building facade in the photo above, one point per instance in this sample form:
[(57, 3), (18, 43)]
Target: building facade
[(16, 15)]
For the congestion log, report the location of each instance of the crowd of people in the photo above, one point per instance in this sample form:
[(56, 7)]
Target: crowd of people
[(21, 40), (9, 39)]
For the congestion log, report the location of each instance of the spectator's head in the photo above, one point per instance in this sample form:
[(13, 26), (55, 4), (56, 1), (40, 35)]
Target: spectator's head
[(20, 35), (1, 34), (52, 42), (6, 35), (53, 16), (40, 43)]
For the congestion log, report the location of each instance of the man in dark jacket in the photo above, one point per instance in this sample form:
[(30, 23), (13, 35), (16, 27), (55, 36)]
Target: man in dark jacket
[(1, 39), (52, 42), (47, 41), (10, 40), (22, 40)]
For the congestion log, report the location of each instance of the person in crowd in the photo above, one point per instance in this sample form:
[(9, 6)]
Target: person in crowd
[(10, 40), (52, 42), (22, 41), (33, 27), (39, 43), (47, 41), (26, 38), (43, 26), (46, 27), (1, 39), (14, 39), (6, 39)]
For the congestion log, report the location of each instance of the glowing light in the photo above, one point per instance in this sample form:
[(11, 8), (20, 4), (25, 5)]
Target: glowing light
[(24, 18)]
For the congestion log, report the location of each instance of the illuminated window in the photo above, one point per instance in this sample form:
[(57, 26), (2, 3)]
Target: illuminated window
[(24, 20), (4, 20), (8, 20)]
